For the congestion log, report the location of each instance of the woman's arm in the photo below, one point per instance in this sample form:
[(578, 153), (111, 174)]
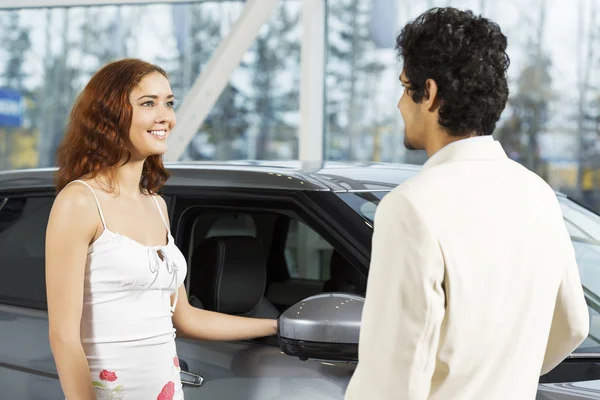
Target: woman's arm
[(72, 225), (194, 323)]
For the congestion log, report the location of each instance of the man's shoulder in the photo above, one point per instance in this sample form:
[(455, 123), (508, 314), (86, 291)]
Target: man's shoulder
[(432, 186), (529, 179), (401, 198), (453, 173)]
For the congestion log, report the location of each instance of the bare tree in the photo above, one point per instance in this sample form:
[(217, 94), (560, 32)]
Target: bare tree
[(586, 59), (530, 103), (483, 6), (539, 103), (348, 68), (57, 89), (198, 33)]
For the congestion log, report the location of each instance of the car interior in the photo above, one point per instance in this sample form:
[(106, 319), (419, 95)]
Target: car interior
[(259, 263)]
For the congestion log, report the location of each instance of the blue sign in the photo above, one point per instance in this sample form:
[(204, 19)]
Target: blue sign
[(11, 108)]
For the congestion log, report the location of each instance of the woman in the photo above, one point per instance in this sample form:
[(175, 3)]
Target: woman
[(113, 274)]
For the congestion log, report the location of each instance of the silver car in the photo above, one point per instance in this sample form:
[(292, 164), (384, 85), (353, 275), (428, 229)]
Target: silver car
[(302, 235)]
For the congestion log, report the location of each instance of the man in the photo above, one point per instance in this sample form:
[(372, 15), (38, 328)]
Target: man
[(473, 287)]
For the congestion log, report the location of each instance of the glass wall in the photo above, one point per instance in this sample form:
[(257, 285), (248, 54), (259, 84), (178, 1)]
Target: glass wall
[(256, 116), (48, 55), (552, 122)]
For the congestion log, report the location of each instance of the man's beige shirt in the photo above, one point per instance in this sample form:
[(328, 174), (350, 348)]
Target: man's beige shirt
[(473, 288)]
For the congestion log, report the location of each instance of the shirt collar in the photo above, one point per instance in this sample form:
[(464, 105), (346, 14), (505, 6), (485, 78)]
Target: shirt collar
[(473, 148)]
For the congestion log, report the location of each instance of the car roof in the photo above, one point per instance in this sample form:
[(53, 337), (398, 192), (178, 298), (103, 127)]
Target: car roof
[(291, 175)]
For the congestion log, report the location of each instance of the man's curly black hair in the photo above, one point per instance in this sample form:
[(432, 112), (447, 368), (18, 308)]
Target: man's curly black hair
[(466, 56)]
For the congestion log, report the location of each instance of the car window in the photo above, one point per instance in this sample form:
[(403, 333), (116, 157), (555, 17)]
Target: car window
[(298, 259), (581, 223), (22, 246), (307, 254)]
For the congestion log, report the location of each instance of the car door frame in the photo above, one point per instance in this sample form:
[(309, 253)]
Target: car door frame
[(322, 211), (304, 208)]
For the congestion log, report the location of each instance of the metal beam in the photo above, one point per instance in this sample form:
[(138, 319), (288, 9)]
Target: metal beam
[(312, 81), (207, 88), (15, 4)]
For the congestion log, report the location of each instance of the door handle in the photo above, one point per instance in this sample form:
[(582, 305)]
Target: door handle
[(189, 378)]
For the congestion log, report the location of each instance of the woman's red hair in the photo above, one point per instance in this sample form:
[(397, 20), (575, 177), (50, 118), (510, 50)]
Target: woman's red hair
[(98, 130)]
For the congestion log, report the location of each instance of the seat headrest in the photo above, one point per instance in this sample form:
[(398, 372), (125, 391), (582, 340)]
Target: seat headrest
[(229, 274)]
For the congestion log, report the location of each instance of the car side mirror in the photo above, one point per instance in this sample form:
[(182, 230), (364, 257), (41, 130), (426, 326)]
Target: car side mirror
[(325, 326)]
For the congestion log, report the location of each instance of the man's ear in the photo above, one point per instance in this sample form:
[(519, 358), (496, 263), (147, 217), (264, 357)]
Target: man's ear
[(430, 99)]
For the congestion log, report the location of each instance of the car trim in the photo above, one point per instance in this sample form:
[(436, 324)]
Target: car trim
[(362, 190), (28, 370), (584, 355), (21, 309)]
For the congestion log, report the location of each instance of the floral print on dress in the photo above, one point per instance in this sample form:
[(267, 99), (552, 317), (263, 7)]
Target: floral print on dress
[(106, 389), (108, 376), (167, 392)]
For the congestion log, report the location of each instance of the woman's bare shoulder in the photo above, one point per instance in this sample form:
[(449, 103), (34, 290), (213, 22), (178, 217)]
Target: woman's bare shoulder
[(76, 204), (75, 194), (160, 200)]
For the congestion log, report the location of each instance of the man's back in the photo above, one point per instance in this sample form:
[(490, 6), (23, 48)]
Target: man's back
[(505, 248), (494, 249)]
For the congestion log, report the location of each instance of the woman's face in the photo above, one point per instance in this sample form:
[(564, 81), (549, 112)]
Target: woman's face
[(153, 116)]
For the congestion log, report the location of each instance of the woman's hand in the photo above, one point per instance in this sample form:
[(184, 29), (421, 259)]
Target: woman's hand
[(275, 326), (195, 323)]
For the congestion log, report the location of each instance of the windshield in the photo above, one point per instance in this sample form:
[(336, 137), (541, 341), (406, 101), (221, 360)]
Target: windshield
[(583, 226)]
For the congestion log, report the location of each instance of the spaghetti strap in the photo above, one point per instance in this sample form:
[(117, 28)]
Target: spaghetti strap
[(161, 213), (95, 198)]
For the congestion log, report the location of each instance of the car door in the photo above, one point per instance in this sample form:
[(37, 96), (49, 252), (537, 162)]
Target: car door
[(27, 369), (298, 249)]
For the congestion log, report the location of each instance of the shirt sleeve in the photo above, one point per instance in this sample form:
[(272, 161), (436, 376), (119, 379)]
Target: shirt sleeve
[(570, 322), (404, 307)]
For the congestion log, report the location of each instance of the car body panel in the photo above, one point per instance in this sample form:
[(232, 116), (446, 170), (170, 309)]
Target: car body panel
[(27, 369), (256, 371), (569, 391)]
